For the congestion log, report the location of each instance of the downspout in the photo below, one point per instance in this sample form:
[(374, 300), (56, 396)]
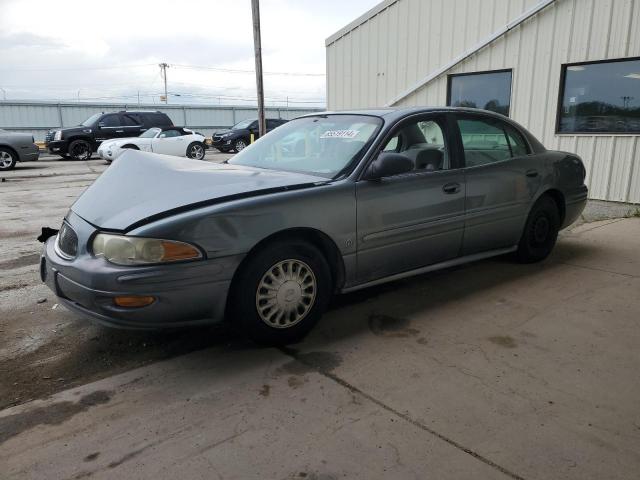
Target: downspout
[(461, 58)]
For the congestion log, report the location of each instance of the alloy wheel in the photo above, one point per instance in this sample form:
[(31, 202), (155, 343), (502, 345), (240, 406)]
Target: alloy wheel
[(81, 152), (6, 160), (197, 152)]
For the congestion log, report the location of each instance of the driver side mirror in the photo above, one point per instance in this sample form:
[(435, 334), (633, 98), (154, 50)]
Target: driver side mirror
[(100, 124), (388, 164)]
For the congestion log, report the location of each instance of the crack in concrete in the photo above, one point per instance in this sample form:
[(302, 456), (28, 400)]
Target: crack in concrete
[(404, 416), (596, 269)]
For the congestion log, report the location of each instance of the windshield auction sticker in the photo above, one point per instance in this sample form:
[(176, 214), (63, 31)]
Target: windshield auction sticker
[(340, 134)]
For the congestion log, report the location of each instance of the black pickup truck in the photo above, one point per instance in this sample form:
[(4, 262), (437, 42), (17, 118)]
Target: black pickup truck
[(80, 142)]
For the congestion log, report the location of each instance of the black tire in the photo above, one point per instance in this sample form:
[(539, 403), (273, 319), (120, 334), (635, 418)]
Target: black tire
[(245, 292), (196, 150), (8, 159), (80, 150), (240, 145), (540, 232)]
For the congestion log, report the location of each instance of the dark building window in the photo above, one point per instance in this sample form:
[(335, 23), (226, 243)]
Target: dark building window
[(486, 90), (600, 97)]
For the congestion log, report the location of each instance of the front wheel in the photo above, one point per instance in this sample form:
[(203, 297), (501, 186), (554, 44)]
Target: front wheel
[(239, 145), (80, 150), (540, 232), (195, 150), (8, 159), (281, 292)]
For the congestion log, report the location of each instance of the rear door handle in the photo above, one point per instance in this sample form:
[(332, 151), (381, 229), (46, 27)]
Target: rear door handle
[(119, 131), (531, 173), (451, 188)]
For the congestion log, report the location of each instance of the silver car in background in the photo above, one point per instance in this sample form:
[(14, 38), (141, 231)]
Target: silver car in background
[(327, 203), (16, 147)]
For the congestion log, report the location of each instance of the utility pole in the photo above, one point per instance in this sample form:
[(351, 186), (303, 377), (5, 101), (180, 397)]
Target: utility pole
[(257, 47), (163, 69)]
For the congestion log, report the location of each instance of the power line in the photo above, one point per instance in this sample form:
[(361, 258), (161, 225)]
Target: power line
[(55, 69), (235, 70)]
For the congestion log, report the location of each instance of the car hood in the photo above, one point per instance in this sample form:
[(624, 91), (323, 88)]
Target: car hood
[(141, 187), (237, 131), (72, 130), (118, 142)]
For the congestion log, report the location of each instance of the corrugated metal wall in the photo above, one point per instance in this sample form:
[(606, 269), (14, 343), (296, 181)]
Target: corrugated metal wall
[(378, 59), (38, 117)]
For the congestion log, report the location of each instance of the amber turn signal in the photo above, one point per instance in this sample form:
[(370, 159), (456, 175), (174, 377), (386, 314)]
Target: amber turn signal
[(174, 251), (133, 301)]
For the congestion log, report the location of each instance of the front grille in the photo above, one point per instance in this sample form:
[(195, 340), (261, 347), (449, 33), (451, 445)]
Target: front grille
[(49, 136), (67, 241)]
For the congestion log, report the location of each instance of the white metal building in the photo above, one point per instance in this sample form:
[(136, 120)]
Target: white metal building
[(568, 70)]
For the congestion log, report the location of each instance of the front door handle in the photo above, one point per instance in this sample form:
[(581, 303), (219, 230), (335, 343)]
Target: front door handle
[(119, 131), (451, 188), (532, 173)]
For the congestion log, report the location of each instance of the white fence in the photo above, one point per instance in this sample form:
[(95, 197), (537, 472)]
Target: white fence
[(39, 117)]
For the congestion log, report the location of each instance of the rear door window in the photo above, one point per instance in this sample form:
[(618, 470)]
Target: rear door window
[(112, 120), (483, 141), (130, 120), (157, 120)]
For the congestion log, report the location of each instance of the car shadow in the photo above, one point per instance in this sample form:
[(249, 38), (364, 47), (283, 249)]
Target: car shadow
[(86, 352)]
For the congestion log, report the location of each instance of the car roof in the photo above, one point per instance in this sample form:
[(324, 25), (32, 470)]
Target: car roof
[(392, 114)]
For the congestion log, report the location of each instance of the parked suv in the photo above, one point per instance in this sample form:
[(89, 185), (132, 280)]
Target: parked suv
[(239, 136), (80, 142)]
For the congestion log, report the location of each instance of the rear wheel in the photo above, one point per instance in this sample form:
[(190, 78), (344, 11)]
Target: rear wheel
[(540, 232), (8, 159), (80, 150), (196, 150), (281, 292)]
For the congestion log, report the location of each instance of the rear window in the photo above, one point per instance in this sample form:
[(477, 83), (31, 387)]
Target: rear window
[(157, 119)]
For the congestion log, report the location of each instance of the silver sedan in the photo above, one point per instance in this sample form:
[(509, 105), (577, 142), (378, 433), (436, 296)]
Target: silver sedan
[(16, 147), (327, 203)]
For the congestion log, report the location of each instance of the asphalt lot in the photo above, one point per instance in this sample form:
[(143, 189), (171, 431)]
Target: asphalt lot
[(491, 370)]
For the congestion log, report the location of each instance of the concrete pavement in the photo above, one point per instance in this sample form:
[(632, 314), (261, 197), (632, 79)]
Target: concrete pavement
[(491, 370)]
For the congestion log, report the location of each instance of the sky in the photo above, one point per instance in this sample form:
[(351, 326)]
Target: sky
[(65, 50)]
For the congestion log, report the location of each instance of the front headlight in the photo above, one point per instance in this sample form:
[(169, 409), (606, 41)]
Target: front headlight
[(58, 135), (124, 250)]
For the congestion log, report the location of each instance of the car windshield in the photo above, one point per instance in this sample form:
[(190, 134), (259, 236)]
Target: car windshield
[(152, 132), (91, 120), (321, 145), (243, 124)]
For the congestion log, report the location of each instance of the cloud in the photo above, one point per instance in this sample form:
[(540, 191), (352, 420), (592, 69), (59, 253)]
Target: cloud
[(28, 40), (62, 53)]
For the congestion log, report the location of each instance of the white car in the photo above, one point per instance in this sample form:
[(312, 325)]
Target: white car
[(177, 141)]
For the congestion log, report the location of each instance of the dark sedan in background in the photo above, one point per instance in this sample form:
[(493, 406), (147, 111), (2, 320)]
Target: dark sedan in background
[(327, 203), (239, 136), (16, 147)]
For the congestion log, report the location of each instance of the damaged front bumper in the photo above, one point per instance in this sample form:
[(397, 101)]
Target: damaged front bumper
[(189, 293)]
